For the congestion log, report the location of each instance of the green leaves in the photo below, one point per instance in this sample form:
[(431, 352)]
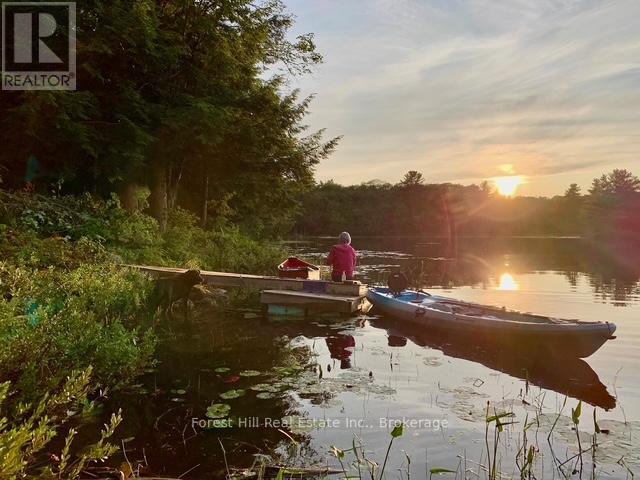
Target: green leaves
[(397, 431), (28, 432), (531, 455), (497, 418), (86, 315), (440, 471), (576, 412)]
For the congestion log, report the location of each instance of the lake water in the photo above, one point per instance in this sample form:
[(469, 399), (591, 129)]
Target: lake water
[(329, 380)]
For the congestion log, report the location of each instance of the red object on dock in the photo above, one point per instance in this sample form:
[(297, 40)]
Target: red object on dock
[(293, 267)]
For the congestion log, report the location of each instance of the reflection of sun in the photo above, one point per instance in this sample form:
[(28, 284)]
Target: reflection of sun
[(507, 282), (507, 186)]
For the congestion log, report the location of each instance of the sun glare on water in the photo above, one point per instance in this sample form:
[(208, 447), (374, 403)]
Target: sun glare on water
[(507, 186), (508, 283)]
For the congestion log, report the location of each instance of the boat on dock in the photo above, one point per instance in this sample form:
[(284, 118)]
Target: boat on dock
[(505, 328), (293, 267)]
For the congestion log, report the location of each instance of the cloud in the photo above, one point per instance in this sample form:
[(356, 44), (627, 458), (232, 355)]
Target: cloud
[(457, 88)]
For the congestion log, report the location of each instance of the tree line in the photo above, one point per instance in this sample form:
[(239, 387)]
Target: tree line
[(414, 207), (178, 104)]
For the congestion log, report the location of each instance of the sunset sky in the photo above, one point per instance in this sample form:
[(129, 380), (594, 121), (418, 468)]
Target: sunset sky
[(464, 91)]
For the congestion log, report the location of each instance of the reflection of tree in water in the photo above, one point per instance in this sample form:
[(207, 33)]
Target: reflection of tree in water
[(572, 278), (613, 276), (618, 290), (446, 272)]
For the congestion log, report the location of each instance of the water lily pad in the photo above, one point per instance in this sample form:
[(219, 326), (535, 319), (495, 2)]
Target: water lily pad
[(432, 361), (286, 371), (265, 395), (298, 425), (249, 373), (179, 391), (228, 395), (263, 387), (218, 410), (313, 389), (222, 370), (279, 386), (288, 381)]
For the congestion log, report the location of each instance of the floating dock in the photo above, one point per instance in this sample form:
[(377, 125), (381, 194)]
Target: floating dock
[(285, 296), (301, 303)]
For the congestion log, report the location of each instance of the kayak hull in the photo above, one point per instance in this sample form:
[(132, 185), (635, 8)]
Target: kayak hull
[(506, 329)]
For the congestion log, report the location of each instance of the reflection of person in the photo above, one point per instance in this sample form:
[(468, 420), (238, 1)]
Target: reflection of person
[(342, 259), (340, 347)]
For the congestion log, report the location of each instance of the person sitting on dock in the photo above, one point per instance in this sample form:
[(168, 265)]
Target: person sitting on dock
[(342, 259)]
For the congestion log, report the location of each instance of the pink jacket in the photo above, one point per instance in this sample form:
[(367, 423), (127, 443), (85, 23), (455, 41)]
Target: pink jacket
[(342, 258)]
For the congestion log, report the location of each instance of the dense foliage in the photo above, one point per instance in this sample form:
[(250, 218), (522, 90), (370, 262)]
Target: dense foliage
[(178, 96), (67, 303), (180, 112), (413, 207)]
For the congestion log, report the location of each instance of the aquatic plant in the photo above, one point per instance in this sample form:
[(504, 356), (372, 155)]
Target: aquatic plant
[(231, 394), (499, 428), (218, 410)]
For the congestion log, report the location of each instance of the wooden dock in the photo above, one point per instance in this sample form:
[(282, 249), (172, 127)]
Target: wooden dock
[(288, 302), (285, 296)]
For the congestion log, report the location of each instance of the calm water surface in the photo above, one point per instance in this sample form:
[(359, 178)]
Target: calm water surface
[(332, 379)]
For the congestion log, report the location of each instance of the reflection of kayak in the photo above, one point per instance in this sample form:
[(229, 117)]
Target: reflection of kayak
[(508, 328), (569, 376)]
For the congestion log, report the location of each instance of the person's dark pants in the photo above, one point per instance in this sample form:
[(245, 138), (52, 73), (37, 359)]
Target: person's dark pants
[(337, 276)]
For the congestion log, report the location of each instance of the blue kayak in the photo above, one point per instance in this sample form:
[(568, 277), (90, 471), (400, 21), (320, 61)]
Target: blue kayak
[(507, 328)]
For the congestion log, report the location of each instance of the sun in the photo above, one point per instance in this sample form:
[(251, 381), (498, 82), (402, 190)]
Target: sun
[(507, 186)]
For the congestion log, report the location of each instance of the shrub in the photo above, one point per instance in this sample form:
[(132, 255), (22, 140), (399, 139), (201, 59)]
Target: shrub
[(123, 236), (31, 427), (53, 321)]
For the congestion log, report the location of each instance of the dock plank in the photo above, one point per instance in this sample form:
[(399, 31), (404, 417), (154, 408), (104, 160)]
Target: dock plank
[(261, 282), (313, 301)]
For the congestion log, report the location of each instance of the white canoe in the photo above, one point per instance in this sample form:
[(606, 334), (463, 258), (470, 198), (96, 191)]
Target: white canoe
[(507, 328)]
